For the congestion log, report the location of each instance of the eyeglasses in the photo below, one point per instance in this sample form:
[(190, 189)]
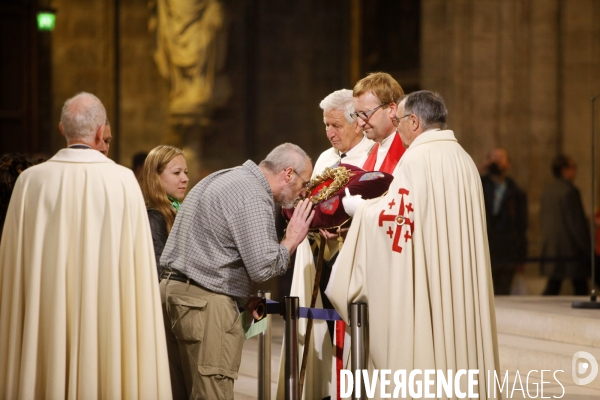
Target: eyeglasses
[(304, 183), (366, 115), (404, 116)]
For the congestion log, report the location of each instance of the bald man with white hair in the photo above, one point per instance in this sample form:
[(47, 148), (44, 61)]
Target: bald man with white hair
[(80, 313), (83, 122)]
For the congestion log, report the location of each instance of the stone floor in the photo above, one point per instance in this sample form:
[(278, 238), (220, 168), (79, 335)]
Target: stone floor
[(543, 333), (534, 333), (246, 387)]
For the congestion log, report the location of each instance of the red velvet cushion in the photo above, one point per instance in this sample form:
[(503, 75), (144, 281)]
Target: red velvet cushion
[(330, 212)]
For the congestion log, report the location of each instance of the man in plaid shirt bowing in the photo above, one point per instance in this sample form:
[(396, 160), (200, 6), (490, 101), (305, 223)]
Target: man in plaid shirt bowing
[(223, 240)]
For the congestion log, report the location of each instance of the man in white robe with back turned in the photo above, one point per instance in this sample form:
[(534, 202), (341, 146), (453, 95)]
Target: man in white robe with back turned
[(419, 256), (80, 313)]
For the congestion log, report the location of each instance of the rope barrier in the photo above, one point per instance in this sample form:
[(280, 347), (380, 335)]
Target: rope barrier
[(325, 314), (552, 259)]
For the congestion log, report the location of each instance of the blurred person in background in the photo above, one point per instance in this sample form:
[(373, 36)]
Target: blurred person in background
[(11, 166), (137, 163), (506, 216), (565, 232), (106, 138)]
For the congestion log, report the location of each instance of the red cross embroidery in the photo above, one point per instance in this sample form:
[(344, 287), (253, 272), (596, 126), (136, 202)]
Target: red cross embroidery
[(392, 203), (400, 220), (390, 232)]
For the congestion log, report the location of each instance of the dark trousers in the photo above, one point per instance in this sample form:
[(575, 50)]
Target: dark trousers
[(502, 276), (580, 287)]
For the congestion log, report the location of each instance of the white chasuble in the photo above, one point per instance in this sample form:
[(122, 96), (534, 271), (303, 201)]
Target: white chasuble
[(80, 312), (419, 257)]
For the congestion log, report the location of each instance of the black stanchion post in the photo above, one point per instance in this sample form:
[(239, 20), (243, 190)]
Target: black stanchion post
[(359, 349), (291, 315), (264, 356)]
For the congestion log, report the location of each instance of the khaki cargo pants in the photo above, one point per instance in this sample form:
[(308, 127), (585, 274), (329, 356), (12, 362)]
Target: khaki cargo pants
[(204, 341)]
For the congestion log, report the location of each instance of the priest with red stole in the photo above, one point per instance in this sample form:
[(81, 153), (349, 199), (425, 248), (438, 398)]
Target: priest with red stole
[(80, 312), (376, 106), (419, 256)]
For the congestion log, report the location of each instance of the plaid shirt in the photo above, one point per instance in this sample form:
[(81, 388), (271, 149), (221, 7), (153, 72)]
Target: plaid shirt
[(224, 235)]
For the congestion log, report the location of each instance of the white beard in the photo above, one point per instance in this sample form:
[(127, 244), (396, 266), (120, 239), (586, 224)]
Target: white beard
[(287, 199)]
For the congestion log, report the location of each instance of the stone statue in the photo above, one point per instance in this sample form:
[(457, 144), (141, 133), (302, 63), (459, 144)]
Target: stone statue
[(190, 50)]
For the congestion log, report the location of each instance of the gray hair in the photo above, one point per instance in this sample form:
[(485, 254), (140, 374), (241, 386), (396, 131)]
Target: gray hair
[(339, 100), (81, 116), (284, 156), (429, 107)]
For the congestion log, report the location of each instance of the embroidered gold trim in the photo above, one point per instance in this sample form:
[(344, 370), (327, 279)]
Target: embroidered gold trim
[(340, 176)]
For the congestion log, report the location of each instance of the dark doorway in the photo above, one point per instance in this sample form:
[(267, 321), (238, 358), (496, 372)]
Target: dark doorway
[(20, 79), (391, 39)]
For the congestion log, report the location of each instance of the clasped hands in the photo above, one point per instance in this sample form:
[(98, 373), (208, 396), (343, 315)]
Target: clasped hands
[(299, 224)]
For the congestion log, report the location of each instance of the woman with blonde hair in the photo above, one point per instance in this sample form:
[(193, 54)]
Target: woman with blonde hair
[(163, 180)]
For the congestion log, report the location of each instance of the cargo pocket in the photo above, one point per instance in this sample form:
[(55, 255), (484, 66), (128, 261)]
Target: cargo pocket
[(187, 315), (232, 343)]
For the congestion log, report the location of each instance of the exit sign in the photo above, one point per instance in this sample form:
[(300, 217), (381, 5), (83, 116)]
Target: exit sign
[(46, 21)]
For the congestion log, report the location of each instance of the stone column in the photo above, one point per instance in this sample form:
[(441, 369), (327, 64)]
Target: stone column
[(543, 103), (82, 55), (144, 94), (580, 80), (496, 64)]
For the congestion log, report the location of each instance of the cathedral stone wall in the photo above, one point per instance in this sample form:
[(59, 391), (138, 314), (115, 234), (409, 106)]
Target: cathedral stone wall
[(282, 59), (83, 59), (518, 74), (514, 73), (144, 93), (82, 55)]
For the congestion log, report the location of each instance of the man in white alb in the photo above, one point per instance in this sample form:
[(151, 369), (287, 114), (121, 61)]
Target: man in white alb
[(348, 142), (80, 313), (419, 256)]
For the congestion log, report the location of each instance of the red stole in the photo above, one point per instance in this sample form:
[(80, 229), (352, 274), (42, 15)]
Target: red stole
[(340, 331), (391, 159)]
